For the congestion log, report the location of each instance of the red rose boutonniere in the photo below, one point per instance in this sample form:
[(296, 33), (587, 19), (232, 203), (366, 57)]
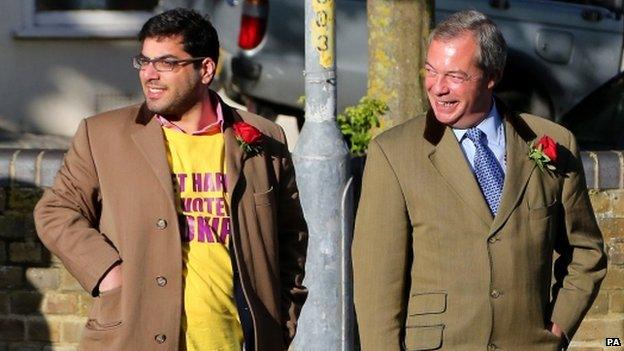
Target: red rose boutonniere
[(544, 153), (248, 137)]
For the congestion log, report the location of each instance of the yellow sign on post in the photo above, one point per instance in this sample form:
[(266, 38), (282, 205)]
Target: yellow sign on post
[(323, 31)]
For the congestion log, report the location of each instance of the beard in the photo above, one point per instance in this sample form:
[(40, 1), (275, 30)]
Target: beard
[(175, 107), (178, 96)]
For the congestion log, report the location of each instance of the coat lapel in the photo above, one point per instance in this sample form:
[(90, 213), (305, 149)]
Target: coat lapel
[(448, 159), (234, 155), (149, 139), (518, 166)]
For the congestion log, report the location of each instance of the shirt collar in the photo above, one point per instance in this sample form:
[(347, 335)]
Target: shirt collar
[(216, 127), (491, 125)]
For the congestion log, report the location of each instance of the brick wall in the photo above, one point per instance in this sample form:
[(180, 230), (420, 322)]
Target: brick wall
[(606, 316), (43, 308), (605, 178)]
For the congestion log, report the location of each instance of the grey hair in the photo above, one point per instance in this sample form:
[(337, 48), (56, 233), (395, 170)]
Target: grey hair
[(492, 52)]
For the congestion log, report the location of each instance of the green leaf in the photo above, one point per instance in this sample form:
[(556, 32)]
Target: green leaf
[(357, 121)]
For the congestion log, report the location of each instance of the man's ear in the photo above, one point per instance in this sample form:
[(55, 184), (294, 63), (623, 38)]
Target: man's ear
[(208, 70), (492, 80)]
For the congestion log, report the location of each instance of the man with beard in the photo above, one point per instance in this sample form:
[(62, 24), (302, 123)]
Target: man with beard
[(181, 215)]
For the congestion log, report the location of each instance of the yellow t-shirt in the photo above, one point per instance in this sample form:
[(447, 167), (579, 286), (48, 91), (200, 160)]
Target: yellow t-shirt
[(210, 320)]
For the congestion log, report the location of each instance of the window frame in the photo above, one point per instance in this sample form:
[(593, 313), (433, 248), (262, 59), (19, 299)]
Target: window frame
[(107, 24)]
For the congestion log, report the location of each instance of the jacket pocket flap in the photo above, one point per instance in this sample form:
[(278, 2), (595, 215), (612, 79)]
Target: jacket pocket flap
[(264, 198), (419, 338), (106, 310), (543, 211), (427, 303)]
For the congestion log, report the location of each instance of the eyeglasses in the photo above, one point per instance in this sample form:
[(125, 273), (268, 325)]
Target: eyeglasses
[(162, 64), (453, 77)]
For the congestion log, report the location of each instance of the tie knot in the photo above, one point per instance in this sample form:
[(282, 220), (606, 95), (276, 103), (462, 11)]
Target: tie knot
[(476, 135)]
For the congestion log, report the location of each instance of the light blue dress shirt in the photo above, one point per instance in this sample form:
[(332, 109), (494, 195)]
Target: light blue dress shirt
[(494, 130)]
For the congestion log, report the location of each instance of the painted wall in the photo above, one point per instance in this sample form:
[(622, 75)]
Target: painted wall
[(49, 85)]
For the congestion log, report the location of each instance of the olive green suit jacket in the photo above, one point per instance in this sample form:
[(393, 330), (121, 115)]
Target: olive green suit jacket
[(435, 270)]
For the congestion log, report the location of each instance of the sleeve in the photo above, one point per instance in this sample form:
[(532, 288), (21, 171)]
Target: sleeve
[(67, 216), (293, 244), (381, 265), (582, 262)]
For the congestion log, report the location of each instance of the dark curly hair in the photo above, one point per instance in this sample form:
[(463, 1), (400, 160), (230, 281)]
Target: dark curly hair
[(199, 36)]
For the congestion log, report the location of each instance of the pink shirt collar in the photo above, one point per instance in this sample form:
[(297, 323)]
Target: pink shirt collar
[(216, 127)]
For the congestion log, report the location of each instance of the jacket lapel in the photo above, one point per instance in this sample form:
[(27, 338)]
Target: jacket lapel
[(234, 155), (149, 140), (519, 167), (448, 159)]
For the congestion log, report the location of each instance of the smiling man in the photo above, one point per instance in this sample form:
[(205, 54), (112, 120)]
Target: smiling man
[(462, 210), (180, 216)]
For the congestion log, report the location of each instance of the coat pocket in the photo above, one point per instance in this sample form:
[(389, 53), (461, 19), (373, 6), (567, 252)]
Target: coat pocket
[(105, 312), (543, 211), (264, 198), (426, 337), (427, 303)]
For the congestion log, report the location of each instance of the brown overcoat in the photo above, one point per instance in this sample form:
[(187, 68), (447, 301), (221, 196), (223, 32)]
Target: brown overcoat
[(113, 200), (435, 271)]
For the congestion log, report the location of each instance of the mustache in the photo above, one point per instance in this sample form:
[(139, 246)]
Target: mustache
[(158, 86)]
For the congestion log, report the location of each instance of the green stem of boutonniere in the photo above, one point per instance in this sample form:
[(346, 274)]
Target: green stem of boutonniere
[(249, 149), (542, 161)]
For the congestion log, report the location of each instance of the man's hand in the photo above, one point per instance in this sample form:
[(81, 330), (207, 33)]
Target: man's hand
[(555, 329), (112, 279)]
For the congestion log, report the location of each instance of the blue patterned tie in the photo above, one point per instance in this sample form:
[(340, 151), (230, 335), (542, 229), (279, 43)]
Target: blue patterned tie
[(487, 169)]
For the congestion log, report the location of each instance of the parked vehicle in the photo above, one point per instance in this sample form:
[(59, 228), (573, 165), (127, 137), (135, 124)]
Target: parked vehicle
[(559, 50), (598, 120)]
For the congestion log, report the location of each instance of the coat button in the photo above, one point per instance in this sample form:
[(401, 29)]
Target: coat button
[(161, 223), (160, 338), (492, 239), (161, 281), (495, 294), (492, 347)]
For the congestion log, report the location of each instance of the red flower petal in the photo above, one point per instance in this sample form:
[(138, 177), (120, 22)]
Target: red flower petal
[(246, 132), (549, 147)]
